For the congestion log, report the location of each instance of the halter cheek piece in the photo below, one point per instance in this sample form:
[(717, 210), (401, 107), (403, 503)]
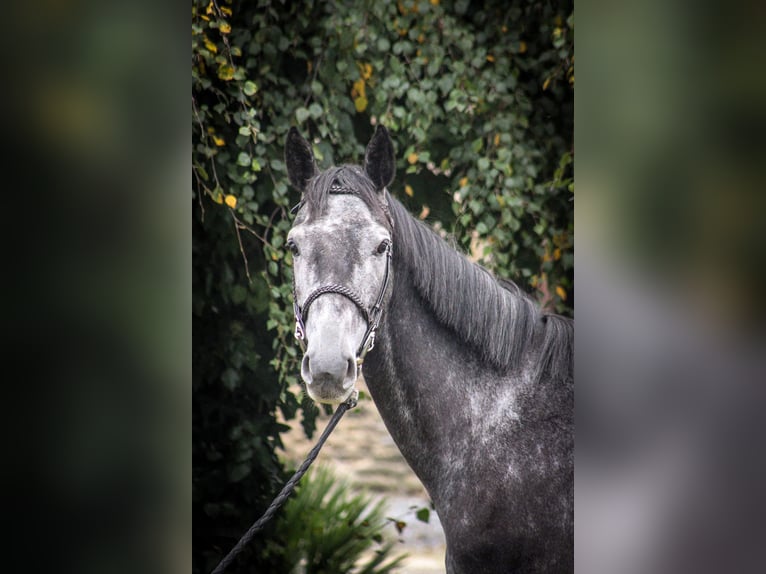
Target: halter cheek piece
[(372, 316)]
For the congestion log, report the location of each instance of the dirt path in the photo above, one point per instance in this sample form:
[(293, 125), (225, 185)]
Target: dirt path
[(362, 451)]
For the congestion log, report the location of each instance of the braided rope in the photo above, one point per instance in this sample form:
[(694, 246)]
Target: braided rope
[(287, 490), (337, 189), (339, 290)]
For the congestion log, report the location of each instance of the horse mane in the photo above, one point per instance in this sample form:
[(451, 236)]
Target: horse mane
[(495, 317)]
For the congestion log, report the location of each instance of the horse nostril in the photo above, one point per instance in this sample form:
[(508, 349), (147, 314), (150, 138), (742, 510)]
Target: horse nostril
[(306, 369)]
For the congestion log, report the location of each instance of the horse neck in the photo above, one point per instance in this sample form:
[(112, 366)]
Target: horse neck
[(428, 385), (397, 382)]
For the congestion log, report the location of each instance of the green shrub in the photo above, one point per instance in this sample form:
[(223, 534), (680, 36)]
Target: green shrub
[(324, 529)]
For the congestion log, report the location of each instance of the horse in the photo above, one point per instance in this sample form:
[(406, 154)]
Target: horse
[(473, 381)]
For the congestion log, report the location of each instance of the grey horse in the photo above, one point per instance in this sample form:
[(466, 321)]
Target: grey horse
[(473, 381)]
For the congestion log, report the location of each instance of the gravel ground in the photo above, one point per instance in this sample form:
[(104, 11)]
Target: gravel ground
[(361, 450)]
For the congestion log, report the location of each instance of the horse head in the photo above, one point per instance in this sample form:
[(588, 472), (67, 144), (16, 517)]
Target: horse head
[(341, 242)]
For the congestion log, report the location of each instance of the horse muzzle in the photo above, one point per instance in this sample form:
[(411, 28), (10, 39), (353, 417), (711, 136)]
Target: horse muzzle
[(329, 377)]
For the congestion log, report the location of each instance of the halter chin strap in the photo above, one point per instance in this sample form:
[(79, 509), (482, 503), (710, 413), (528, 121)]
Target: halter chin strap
[(372, 316)]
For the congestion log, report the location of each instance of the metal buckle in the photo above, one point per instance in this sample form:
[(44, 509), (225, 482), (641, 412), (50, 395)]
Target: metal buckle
[(352, 400), (300, 334)]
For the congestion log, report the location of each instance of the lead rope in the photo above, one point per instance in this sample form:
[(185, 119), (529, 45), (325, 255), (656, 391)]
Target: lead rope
[(349, 403)]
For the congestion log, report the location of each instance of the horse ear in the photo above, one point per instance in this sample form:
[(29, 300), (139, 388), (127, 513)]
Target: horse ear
[(299, 158), (379, 160)]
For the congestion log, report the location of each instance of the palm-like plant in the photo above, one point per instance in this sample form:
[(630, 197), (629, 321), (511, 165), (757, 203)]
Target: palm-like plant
[(326, 530)]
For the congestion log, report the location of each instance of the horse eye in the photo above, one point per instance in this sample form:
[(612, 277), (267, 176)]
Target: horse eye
[(293, 247), (383, 247)]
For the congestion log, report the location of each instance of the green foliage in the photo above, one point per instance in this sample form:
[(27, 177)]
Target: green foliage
[(423, 514), (479, 101), (327, 530)]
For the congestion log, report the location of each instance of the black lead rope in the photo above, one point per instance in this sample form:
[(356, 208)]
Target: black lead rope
[(349, 403)]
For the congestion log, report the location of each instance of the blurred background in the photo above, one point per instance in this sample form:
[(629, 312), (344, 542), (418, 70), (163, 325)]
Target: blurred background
[(670, 116), (670, 276), (98, 333)]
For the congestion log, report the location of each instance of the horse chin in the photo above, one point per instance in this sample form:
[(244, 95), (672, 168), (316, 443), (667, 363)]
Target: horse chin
[(329, 394)]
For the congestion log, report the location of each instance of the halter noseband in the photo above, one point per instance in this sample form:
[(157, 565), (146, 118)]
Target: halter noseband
[(371, 316)]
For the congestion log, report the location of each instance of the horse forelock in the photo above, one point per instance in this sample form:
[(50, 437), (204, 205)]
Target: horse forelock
[(351, 180)]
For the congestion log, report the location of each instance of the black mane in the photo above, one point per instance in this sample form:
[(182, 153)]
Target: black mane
[(495, 317)]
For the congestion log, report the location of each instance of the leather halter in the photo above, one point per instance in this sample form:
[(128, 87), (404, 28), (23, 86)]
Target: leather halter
[(371, 316)]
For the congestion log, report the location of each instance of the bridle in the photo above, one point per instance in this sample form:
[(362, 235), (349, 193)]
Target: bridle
[(371, 316)]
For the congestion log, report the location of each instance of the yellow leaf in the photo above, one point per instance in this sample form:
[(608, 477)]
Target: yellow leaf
[(225, 28), (504, 29), (424, 212), (360, 104), (231, 201), (421, 39), (556, 254), (366, 71), (210, 46), (490, 58), (209, 9), (463, 182), (412, 158), (218, 197), (218, 141), (408, 190), (497, 140), (522, 47), (561, 293), (226, 10), (358, 91), (546, 83), (226, 72), (434, 2)]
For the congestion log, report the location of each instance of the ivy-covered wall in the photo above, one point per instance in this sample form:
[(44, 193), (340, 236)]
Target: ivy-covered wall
[(479, 99)]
